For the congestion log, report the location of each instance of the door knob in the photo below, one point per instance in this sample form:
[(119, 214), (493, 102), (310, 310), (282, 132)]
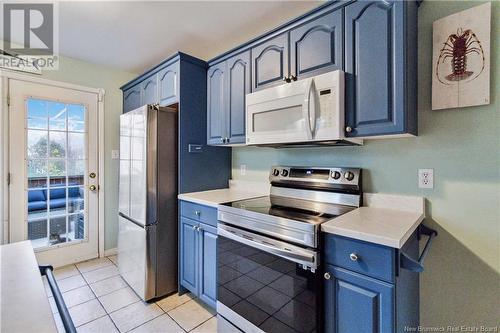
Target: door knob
[(92, 175), (294, 78), (287, 79), (327, 276), (348, 129), (92, 187)]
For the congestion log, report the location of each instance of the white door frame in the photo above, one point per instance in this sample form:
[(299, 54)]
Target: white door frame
[(5, 75)]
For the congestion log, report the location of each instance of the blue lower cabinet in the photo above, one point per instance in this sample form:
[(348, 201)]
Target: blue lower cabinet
[(197, 252), (366, 289), (357, 303), (189, 256), (208, 265)]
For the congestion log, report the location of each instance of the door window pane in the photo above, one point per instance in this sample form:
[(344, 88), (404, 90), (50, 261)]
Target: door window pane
[(76, 142), (57, 115), (56, 166), (37, 144), (37, 204), (75, 199), (37, 123), (76, 118), (37, 108), (76, 226), (57, 172), (57, 232), (76, 170), (37, 173), (57, 144)]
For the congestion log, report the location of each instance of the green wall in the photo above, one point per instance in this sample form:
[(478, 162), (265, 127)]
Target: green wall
[(87, 74), (461, 282)]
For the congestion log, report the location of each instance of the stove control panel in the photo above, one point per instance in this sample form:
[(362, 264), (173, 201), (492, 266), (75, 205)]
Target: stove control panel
[(320, 175)]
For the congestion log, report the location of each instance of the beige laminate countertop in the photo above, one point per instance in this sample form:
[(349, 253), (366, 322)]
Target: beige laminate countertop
[(215, 197), (24, 303), (382, 226), (386, 220)]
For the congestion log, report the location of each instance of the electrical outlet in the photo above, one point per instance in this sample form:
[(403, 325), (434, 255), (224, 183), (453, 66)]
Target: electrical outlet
[(243, 169), (426, 178)]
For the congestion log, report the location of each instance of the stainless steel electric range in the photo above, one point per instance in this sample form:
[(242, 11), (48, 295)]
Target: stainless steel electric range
[(268, 249)]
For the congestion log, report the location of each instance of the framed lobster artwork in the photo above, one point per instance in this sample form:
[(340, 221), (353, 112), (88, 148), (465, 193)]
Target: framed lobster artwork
[(461, 59)]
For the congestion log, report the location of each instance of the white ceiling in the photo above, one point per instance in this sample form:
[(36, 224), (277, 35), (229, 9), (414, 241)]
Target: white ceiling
[(134, 36)]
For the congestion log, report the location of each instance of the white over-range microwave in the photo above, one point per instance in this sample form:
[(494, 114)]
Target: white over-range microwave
[(302, 113)]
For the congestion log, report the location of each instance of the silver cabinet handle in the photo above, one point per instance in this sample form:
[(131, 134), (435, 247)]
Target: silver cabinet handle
[(348, 129), (327, 276), (194, 227), (222, 140), (197, 213), (353, 257)]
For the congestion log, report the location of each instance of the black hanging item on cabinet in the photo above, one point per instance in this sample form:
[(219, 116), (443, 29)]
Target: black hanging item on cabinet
[(46, 270)]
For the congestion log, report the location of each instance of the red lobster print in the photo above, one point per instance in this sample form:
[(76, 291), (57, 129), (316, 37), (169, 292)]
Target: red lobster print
[(457, 47)]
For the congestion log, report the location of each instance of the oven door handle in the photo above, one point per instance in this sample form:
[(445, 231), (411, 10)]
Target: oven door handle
[(308, 260)]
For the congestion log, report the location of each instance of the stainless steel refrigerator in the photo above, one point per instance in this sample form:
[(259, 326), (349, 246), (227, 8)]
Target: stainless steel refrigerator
[(147, 237)]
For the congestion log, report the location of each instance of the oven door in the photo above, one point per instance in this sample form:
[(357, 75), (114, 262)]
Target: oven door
[(262, 283)]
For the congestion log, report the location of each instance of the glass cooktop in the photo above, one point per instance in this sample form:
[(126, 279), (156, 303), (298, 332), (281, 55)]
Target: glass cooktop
[(264, 205)]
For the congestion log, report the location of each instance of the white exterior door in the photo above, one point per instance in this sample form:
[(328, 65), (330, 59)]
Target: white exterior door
[(53, 165)]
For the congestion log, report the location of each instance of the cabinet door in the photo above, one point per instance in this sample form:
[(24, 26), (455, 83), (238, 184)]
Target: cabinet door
[(316, 47), (238, 68), (357, 303), (132, 98), (217, 104), (208, 264), (168, 82), (375, 68), (270, 62), (189, 273), (149, 89)]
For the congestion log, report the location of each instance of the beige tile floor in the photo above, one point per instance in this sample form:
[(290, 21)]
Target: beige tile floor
[(99, 300)]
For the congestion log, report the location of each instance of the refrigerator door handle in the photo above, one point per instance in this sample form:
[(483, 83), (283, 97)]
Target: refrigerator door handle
[(128, 218)]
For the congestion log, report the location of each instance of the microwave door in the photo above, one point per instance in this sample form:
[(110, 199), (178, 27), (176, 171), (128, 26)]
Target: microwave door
[(277, 120)]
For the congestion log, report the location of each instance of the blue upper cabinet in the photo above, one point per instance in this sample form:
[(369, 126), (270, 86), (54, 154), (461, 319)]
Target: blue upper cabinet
[(216, 104), (357, 303), (238, 69), (168, 82), (317, 46), (270, 62), (149, 88), (132, 98), (380, 66), (228, 82)]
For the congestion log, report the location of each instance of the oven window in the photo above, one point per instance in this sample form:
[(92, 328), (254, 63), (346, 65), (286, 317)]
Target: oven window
[(274, 294)]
